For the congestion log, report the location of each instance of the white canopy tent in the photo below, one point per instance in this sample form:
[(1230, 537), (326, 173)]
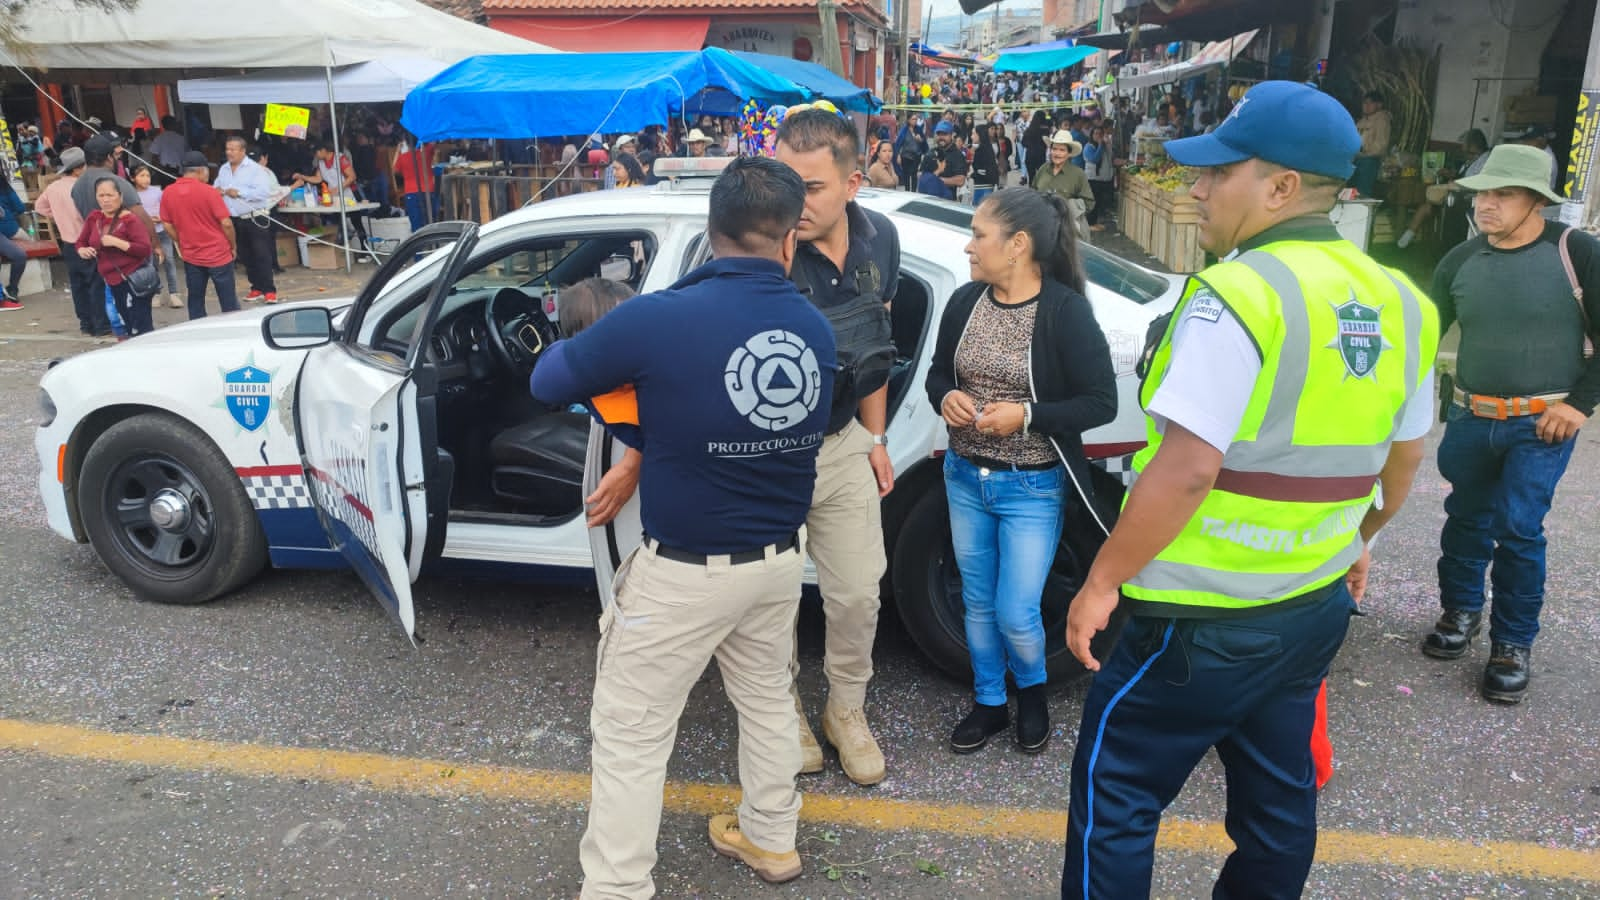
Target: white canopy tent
[(377, 81), (259, 34)]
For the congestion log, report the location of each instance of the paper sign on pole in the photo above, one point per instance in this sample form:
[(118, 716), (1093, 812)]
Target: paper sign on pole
[(289, 121)]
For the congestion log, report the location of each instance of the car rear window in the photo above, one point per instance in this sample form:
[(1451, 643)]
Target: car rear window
[(1101, 267)]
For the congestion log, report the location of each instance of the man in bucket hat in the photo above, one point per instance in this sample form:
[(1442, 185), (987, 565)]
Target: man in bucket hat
[(1290, 383), (1523, 387)]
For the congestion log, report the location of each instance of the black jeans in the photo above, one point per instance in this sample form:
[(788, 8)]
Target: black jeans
[(135, 309), (88, 296), (195, 278), (256, 252), (1105, 195)]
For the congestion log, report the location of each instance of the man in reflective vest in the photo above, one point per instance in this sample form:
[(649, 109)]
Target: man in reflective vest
[(1290, 384)]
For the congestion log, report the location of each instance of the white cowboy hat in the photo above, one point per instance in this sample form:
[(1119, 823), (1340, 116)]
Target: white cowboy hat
[(696, 136), (1064, 138), (623, 141)]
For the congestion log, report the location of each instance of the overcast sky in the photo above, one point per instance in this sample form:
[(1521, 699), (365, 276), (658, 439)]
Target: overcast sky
[(952, 7)]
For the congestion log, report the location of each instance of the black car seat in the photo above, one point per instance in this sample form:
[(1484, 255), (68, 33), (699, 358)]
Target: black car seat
[(538, 465)]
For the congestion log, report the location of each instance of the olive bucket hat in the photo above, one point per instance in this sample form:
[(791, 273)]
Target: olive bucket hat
[(1514, 165)]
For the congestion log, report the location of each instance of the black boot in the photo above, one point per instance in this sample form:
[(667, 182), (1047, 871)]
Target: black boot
[(1033, 719), (1505, 679), (982, 723), (1452, 634)]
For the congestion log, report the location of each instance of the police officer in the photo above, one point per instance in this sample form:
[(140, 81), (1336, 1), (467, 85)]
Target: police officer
[(1291, 382), (848, 265), (733, 413)]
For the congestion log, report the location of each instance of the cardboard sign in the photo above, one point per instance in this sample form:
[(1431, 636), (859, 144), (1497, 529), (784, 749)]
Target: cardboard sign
[(289, 121), (1584, 131)]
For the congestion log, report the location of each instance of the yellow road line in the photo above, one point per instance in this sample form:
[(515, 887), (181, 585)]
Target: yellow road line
[(550, 787)]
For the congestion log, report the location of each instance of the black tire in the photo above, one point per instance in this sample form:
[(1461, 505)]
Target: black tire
[(928, 592), (167, 513)]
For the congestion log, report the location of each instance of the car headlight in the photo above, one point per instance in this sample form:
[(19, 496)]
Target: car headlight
[(47, 409)]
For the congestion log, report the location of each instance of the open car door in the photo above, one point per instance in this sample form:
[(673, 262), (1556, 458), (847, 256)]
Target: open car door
[(611, 543), (364, 414)]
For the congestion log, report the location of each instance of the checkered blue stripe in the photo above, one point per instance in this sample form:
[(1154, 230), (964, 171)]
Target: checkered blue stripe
[(277, 491)]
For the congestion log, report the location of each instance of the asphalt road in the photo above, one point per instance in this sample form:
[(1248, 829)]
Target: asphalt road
[(288, 741)]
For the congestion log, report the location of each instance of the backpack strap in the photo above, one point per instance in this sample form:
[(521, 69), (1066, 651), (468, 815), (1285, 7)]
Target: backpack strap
[(1577, 291)]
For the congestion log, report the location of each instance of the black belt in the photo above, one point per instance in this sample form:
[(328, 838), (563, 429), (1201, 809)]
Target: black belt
[(997, 465), (791, 542)]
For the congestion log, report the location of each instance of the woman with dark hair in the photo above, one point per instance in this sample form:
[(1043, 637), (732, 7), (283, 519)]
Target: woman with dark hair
[(626, 171), (1020, 371), (119, 243), (880, 169), (1033, 139), (11, 206)]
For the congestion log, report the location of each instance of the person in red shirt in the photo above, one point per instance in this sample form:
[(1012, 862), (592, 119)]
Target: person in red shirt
[(203, 231), (414, 170), (118, 242)]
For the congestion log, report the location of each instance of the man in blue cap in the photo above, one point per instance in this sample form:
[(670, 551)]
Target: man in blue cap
[(1291, 382), (954, 173)]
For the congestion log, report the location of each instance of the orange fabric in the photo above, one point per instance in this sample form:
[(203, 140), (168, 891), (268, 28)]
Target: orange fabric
[(620, 407), (1321, 746)]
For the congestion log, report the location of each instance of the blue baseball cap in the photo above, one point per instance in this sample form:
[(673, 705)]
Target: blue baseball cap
[(1284, 122), (944, 128)]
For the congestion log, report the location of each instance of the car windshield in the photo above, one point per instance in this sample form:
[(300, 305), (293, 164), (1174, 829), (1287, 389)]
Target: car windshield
[(1099, 266)]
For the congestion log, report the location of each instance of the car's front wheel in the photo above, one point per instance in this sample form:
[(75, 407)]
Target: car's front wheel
[(927, 591), (166, 512)]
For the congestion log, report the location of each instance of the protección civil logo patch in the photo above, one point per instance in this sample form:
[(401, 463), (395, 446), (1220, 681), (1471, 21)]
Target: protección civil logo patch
[(773, 380), (1360, 341)]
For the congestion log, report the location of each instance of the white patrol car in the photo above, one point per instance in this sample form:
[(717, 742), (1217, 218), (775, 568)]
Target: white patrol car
[(394, 432)]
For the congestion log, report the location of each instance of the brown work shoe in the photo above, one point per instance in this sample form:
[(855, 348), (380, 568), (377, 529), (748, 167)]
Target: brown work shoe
[(859, 756), (728, 840), (810, 750)]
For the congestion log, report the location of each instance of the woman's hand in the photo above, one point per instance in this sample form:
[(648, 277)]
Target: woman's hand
[(107, 240), (87, 252), (1000, 419), (958, 409)]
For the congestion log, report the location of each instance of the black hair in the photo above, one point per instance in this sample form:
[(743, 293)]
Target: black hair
[(930, 163), (755, 203), (1475, 138), (140, 167), (96, 151), (631, 163), (237, 138), (169, 123), (1048, 221), (813, 129), (1374, 96)]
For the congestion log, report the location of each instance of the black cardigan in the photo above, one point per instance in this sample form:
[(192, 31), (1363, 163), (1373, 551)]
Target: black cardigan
[(1071, 366)]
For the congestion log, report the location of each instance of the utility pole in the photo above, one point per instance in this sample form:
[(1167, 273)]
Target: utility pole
[(903, 22), (832, 57)]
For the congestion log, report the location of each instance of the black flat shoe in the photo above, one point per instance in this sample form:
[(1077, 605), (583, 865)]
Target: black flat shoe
[(1033, 719), (1452, 635), (1505, 678), (982, 723)]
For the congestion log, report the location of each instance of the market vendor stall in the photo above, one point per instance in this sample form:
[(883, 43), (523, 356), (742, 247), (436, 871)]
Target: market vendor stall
[(1157, 213)]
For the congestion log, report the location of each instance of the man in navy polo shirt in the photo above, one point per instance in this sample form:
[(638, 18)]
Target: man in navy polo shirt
[(733, 411)]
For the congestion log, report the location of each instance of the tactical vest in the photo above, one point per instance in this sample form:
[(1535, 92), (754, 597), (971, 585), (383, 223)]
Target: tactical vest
[(862, 332), (1344, 343)]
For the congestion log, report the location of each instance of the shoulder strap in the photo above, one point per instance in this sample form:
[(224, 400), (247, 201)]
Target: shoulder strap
[(1577, 291)]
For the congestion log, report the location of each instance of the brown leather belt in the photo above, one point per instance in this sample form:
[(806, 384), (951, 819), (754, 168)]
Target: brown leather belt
[(1486, 406), (1295, 488)]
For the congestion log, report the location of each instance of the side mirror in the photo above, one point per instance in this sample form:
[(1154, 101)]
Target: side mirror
[(618, 268), (298, 329)]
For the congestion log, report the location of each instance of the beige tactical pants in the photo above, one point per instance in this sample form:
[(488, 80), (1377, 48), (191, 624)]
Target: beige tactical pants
[(668, 621), (844, 535)]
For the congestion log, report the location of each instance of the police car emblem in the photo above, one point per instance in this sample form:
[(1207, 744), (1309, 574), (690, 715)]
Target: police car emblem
[(1360, 341), (773, 380), (247, 395)]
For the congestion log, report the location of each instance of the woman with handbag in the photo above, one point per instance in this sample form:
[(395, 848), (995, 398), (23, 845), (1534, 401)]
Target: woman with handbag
[(119, 243)]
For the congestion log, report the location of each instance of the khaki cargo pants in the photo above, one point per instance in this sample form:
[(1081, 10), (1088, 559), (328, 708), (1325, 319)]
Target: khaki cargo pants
[(844, 535), (668, 621)]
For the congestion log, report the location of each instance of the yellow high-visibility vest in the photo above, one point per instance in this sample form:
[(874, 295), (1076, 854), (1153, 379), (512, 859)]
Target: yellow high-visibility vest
[(1344, 342)]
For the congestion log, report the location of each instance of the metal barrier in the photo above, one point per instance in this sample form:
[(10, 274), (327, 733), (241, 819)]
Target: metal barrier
[(481, 198)]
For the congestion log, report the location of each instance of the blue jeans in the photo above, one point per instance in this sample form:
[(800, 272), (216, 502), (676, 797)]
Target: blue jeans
[(1004, 525), (1365, 179), (11, 252), (415, 206), (1502, 479), (169, 261), (1170, 690), (196, 277)]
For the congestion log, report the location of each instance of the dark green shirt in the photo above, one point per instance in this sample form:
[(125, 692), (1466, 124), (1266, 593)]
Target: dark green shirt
[(1521, 330)]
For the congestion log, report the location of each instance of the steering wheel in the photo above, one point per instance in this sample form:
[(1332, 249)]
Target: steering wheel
[(518, 330)]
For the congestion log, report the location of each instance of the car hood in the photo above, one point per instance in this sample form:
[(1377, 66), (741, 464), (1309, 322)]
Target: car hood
[(244, 323)]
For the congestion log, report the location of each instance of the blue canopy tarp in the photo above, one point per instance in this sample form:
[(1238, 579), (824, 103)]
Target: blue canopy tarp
[(1050, 57), (816, 79), (518, 96)]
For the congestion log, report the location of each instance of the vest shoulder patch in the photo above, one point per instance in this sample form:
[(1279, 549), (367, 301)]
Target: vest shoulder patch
[(1204, 305)]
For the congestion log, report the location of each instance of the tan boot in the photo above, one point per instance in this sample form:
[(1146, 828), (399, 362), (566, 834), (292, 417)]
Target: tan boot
[(847, 731), (728, 840), (174, 302), (810, 750)]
